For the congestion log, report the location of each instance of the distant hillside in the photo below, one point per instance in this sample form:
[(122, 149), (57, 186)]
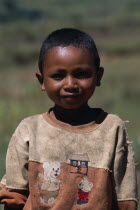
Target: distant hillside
[(24, 24), (14, 10)]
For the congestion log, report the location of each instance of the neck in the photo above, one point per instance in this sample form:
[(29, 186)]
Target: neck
[(79, 116)]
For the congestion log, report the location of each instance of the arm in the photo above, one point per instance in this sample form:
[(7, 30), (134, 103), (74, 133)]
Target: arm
[(127, 205), (124, 174), (14, 191), (13, 199)]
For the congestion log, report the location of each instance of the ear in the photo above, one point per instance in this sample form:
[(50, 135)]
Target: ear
[(99, 76), (46, 165), (40, 79)]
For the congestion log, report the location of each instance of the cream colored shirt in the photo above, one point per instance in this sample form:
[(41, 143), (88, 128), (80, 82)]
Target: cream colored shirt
[(71, 167)]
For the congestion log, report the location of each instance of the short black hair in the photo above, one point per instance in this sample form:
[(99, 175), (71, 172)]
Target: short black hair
[(65, 37)]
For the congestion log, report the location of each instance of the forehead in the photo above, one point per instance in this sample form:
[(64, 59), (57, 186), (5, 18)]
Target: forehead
[(68, 56)]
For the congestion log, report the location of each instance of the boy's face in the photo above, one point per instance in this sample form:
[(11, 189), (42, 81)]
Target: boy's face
[(69, 76)]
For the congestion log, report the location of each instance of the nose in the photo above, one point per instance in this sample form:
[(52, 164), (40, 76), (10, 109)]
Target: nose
[(71, 85)]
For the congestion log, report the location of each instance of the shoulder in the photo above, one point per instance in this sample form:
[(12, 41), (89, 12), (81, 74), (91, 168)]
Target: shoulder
[(111, 123), (31, 121), (26, 126), (115, 126), (114, 120)]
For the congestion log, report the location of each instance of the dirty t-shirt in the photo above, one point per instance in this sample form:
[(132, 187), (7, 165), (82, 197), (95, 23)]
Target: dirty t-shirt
[(72, 167)]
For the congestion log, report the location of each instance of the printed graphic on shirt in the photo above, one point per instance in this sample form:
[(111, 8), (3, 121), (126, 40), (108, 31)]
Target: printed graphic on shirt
[(85, 187), (79, 163), (49, 182)]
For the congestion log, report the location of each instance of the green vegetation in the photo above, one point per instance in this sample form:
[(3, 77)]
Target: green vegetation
[(115, 28)]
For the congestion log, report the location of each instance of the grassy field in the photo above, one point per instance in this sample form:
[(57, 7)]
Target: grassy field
[(115, 28)]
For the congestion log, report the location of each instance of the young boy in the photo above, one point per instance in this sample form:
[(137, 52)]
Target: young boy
[(72, 157)]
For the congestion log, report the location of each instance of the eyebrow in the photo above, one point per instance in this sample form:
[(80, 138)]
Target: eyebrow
[(80, 68), (60, 70)]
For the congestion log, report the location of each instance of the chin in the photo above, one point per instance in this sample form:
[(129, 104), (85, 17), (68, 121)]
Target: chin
[(72, 106)]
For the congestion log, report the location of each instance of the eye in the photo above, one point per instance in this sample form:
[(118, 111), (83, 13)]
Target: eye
[(80, 185), (53, 169), (82, 74), (58, 76)]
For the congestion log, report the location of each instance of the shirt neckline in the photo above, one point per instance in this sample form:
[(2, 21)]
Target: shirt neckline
[(76, 128)]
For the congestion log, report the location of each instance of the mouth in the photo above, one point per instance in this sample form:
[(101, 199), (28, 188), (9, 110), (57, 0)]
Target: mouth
[(71, 96)]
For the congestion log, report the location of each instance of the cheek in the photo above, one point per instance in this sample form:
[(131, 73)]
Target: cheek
[(51, 87), (88, 85)]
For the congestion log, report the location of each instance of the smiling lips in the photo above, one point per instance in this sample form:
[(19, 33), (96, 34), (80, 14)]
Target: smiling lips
[(71, 96)]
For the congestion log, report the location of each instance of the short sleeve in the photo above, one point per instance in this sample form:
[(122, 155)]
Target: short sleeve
[(3, 180), (124, 172), (17, 159)]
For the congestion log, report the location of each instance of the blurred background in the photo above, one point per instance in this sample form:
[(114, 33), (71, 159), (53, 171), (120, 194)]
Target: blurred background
[(115, 27)]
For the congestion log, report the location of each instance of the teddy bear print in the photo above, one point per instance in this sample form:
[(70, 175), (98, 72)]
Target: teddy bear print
[(85, 187), (49, 183)]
